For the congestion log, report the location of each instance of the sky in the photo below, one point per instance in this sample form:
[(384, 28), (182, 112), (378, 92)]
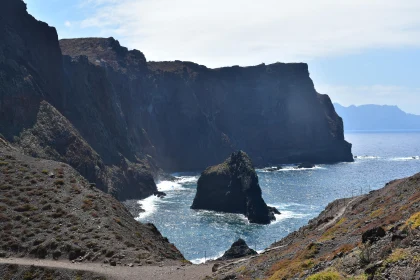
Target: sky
[(358, 51)]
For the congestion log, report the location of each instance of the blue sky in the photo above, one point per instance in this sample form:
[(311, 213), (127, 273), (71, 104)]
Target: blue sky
[(359, 52)]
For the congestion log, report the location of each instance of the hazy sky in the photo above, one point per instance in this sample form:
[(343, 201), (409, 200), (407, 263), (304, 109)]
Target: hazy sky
[(358, 51)]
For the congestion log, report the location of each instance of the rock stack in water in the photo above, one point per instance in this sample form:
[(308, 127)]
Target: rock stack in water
[(239, 249), (233, 187)]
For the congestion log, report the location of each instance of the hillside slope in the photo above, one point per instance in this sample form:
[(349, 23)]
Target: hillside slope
[(48, 210), (346, 240)]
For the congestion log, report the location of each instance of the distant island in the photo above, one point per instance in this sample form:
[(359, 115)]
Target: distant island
[(376, 117)]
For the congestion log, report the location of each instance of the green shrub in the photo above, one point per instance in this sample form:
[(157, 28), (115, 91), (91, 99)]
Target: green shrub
[(325, 275)]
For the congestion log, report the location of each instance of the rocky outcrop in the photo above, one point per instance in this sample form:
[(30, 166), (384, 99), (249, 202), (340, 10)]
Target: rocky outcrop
[(306, 165), (372, 235), (239, 249), (233, 187)]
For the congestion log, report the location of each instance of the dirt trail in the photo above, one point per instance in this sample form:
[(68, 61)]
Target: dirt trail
[(337, 215), (188, 272)]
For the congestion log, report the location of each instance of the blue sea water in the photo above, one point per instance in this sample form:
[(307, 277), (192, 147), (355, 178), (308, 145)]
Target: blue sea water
[(298, 194)]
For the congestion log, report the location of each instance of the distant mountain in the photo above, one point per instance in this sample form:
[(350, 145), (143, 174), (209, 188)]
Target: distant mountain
[(376, 117)]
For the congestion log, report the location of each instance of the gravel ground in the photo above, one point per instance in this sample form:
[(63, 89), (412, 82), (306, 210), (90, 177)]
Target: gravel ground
[(187, 272)]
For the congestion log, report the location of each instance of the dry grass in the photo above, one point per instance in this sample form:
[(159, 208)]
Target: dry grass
[(414, 221)]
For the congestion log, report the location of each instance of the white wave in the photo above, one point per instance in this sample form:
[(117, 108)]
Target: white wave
[(186, 179), (405, 158), (166, 186), (201, 260), (286, 205), (291, 168), (366, 157), (287, 215), (148, 205)]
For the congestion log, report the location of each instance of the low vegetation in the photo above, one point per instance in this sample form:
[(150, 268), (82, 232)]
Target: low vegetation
[(57, 214), (331, 246)]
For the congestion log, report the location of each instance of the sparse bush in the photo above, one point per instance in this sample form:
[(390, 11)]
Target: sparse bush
[(59, 182), (414, 221), (397, 255), (58, 213), (118, 221), (312, 250), (325, 275), (3, 218), (365, 254), (25, 208), (87, 204)]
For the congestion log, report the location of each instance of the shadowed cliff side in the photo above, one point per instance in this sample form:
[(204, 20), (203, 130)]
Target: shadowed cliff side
[(46, 107), (271, 111)]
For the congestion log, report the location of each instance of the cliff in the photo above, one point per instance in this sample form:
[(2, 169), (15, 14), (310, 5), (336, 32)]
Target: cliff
[(372, 236), (64, 109), (135, 117), (216, 111), (233, 187)]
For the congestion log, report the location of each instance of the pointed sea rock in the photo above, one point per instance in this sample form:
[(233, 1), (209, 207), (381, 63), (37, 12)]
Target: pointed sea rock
[(233, 187)]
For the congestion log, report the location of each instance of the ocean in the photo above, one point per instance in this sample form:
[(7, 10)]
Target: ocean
[(299, 194)]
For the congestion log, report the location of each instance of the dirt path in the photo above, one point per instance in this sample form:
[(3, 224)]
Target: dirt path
[(188, 272), (338, 215)]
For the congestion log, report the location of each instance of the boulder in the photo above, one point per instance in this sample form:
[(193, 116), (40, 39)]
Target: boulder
[(306, 165), (159, 194), (233, 187), (274, 168), (239, 249), (373, 235)]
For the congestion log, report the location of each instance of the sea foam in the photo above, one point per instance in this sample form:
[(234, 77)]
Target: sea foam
[(405, 158), (290, 168), (148, 205), (201, 260)]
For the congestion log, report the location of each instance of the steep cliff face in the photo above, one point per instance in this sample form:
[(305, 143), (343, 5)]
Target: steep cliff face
[(30, 67), (271, 111), (65, 109)]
